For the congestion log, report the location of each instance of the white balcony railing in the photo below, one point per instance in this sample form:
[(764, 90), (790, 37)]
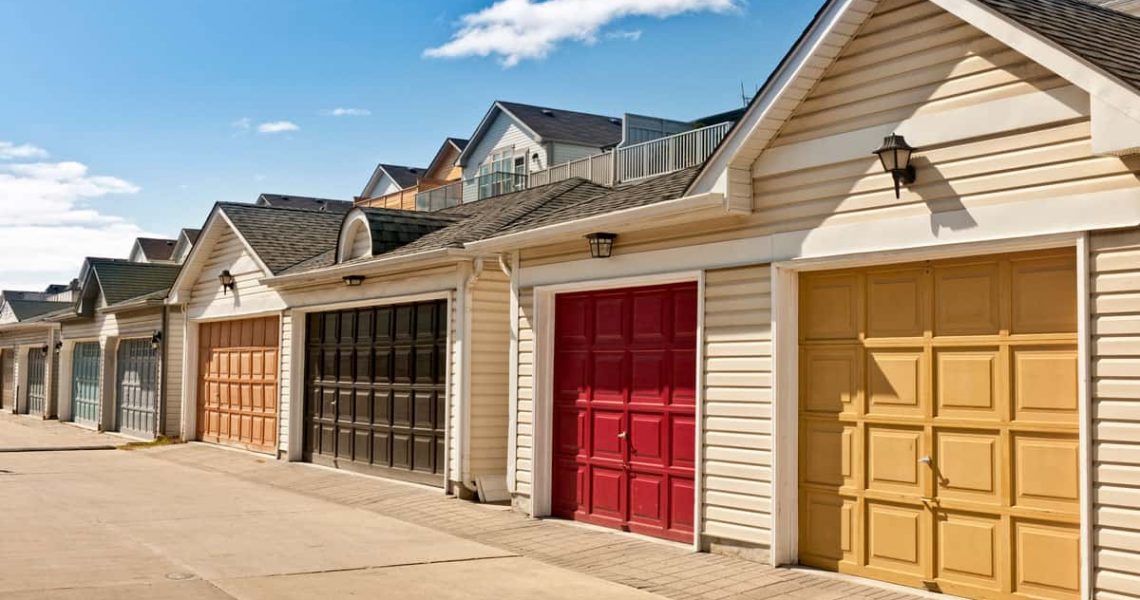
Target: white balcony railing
[(668, 154)]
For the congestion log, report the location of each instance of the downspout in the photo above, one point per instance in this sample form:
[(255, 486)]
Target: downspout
[(160, 422), (465, 379)]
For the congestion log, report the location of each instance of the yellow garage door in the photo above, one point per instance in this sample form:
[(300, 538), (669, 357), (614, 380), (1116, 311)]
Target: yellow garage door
[(938, 427)]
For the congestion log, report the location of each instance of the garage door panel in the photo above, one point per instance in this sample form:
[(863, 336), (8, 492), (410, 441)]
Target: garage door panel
[(624, 381), (966, 383), (896, 303), (85, 381), (961, 473), (1046, 471), (389, 384), (137, 388), (968, 465), (831, 380), (1045, 384), (1047, 560), (969, 550), (896, 382), (967, 299), (1044, 295)]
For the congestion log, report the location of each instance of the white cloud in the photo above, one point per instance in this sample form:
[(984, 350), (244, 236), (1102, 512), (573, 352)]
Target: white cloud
[(517, 30), (48, 223), (623, 34), (347, 112), (243, 124), (9, 151), (277, 127)]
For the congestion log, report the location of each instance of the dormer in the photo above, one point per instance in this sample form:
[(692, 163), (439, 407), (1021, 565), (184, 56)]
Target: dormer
[(369, 232)]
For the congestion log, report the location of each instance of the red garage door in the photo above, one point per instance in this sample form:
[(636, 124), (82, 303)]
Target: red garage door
[(624, 403)]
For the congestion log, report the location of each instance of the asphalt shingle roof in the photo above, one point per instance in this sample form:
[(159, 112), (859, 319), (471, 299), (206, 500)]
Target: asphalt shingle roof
[(192, 235), (305, 203), (29, 309), (405, 177), (123, 280), (392, 229), (283, 237), (1106, 38), (156, 249), (556, 125)]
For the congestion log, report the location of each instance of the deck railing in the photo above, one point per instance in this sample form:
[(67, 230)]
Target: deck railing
[(668, 154), (630, 163), (441, 197)]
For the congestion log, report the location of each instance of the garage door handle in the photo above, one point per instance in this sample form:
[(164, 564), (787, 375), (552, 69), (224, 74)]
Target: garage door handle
[(622, 435), (925, 460)]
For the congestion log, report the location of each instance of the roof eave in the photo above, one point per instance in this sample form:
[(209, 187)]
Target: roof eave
[(699, 203), (377, 266)]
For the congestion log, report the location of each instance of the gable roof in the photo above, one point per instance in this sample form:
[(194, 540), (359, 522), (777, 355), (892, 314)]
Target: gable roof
[(156, 249), (454, 144), (1105, 38), (303, 203), (283, 237), (191, 235), (552, 125), (122, 280), (24, 310), (1076, 27), (404, 177)]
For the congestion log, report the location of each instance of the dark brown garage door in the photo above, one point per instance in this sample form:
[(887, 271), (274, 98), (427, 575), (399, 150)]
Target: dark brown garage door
[(237, 391), (375, 390)]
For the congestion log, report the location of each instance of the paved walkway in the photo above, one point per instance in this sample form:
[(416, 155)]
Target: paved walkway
[(664, 569), (26, 432)]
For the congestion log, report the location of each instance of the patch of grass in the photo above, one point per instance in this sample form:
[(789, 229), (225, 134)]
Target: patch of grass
[(155, 443)]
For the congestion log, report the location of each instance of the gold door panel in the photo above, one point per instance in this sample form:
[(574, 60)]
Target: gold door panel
[(938, 425)]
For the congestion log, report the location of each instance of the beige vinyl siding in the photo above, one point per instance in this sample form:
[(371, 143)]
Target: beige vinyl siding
[(454, 389), (489, 385), (737, 406), (174, 338), (361, 241), (912, 60), (1115, 308), (284, 378), (227, 252), (524, 434)]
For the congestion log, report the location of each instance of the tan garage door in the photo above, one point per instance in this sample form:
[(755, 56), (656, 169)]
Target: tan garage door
[(237, 391), (938, 428)]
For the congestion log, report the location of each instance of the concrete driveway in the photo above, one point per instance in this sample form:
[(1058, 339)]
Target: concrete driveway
[(95, 524)]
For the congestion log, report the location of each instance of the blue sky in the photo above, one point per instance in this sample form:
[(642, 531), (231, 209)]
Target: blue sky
[(149, 98)]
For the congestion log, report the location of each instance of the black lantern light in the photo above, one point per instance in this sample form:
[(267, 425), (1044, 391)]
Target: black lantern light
[(156, 340), (895, 155), (601, 244), (227, 281), (44, 350), (58, 347), (353, 280)]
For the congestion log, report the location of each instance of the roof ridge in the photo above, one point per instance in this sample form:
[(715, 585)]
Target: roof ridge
[(288, 208), (565, 110)]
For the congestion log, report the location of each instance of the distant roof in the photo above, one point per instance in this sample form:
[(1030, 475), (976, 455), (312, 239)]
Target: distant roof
[(283, 237), (192, 235), (728, 116), (456, 144), (405, 177), (156, 248), (122, 280), (28, 309), (1106, 38), (459, 143), (557, 125), (304, 203)]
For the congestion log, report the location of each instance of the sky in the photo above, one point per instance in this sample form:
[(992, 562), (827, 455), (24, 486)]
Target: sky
[(121, 118)]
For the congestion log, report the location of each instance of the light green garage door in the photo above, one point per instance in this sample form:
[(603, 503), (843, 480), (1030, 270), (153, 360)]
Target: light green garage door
[(138, 388), (37, 381), (85, 384)]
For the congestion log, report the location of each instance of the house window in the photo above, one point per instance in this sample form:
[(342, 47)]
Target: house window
[(495, 173)]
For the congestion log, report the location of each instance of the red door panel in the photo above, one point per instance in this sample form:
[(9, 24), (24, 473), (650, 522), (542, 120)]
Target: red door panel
[(624, 408)]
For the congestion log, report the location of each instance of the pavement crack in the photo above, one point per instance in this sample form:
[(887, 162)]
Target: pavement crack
[(417, 563)]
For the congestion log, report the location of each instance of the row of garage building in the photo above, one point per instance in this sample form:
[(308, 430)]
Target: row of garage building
[(928, 376)]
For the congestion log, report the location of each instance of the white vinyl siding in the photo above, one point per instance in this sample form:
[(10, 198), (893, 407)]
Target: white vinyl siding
[(490, 347), (384, 186), (737, 405), (1115, 355), (361, 241), (564, 153), (503, 134), (249, 296), (284, 378)]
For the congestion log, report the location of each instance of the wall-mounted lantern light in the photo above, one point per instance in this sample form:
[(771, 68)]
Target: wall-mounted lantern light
[(44, 350), (895, 155), (353, 280), (58, 347), (601, 244), (156, 340), (227, 280)]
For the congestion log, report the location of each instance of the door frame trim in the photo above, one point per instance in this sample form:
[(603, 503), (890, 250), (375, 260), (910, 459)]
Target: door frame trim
[(543, 437), (785, 393), (295, 417)]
